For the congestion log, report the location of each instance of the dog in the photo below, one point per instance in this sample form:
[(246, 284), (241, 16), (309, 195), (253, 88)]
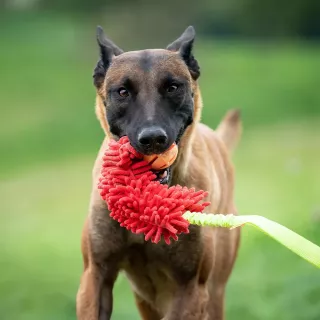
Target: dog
[(153, 97)]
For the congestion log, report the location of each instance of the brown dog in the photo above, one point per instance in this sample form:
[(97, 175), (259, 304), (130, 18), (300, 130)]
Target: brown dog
[(152, 96)]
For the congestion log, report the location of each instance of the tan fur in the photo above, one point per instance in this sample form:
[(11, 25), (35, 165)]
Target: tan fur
[(187, 279)]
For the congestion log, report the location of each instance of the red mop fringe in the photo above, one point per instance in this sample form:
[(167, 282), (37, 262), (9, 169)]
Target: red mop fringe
[(140, 204)]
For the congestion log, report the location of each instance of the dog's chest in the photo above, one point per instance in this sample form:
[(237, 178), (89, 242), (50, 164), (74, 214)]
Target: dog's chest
[(150, 277), (155, 269)]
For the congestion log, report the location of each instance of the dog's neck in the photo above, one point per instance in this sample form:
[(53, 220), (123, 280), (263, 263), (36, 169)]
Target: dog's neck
[(101, 114), (180, 167)]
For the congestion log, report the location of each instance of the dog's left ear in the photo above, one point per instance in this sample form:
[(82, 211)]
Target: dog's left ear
[(184, 46)]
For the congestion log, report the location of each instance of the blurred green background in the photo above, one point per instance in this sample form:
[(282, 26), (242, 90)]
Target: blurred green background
[(260, 56)]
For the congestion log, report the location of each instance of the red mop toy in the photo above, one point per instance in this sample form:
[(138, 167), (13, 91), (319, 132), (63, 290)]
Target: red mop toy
[(141, 204)]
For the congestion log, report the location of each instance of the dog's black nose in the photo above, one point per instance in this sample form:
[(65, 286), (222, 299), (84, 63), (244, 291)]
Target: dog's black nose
[(153, 139)]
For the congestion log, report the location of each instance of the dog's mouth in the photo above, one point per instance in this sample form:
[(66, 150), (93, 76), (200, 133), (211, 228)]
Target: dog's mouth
[(163, 176)]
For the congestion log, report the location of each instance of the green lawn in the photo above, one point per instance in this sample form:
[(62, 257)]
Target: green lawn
[(49, 138)]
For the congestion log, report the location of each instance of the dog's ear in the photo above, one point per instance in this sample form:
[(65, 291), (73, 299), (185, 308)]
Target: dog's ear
[(107, 51), (184, 45)]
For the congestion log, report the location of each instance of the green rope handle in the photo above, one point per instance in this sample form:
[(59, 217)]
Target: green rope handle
[(299, 245)]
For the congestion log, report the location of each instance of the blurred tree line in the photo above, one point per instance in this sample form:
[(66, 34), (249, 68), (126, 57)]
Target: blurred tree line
[(244, 18)]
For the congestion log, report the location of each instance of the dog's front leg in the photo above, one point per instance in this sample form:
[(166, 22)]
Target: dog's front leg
[(94, 299), (189, 303), (102, 250), (192, 268)]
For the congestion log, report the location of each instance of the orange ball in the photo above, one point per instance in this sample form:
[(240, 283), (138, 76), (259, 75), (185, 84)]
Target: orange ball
[(163, 160)]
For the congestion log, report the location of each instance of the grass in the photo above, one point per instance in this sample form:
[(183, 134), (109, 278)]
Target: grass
[(49, 138)]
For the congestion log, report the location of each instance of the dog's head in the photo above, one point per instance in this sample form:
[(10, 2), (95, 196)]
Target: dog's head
[(148, 95)]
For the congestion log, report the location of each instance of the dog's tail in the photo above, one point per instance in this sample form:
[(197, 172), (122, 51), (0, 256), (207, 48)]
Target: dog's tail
[(230, 129)]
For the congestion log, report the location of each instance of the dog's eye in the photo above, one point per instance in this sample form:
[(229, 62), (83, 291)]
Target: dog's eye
[(123, 92), (172, 88)]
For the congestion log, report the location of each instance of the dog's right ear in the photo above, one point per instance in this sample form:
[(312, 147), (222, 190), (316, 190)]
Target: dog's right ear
[(107, 51)]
